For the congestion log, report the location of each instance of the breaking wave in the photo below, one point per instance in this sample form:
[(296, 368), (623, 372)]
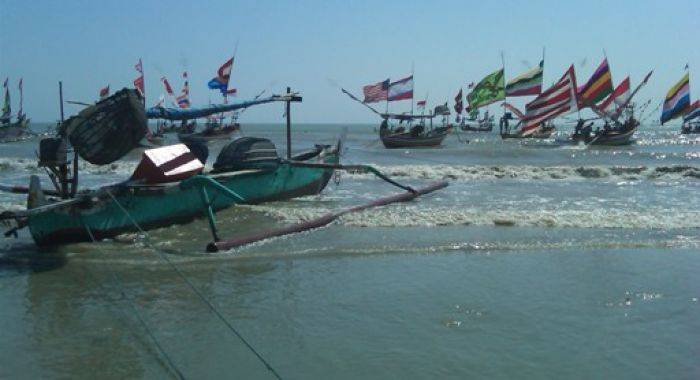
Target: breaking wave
[(416, 215), (464, 172)]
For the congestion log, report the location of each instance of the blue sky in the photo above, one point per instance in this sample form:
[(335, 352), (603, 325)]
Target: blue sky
[(314, 46)]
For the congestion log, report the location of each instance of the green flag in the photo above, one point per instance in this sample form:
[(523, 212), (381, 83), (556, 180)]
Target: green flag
[(491, 89)]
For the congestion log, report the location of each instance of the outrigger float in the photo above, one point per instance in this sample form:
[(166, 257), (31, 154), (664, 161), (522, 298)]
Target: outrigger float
[(169, 186)]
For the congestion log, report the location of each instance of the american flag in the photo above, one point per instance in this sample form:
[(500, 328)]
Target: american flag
[(376, 92)]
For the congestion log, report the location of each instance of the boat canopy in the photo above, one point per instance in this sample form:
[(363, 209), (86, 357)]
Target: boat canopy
[(194, 113)]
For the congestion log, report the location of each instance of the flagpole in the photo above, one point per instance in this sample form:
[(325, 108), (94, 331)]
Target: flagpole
[(412, 80)]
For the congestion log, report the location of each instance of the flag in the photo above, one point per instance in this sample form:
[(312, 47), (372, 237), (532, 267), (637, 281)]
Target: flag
[(420, 105), (401, 89), (490, 90), (513, 109), (21, 98), (556, 100), (376, 92), (527, 83), (139, 84), (677, 100), (618, 97), (139, 66), (459, 105), (220, 81), (6, 108), (166, 84), (598, 86), (693, 111), (183, 101), (104, 92)]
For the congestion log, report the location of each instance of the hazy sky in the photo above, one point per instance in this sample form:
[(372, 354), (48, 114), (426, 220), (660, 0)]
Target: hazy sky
[(313, 46)]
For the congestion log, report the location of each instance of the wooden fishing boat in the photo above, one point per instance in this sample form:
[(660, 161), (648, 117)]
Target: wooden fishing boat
[(607, 137), (475, 125), (209, 134), (168, 186), (17, 130), (543, 132), (430, 139)]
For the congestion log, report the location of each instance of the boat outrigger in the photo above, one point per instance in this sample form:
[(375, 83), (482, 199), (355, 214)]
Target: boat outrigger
[(169, 186)]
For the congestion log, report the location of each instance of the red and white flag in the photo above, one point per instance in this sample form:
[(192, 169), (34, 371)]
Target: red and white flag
[(376, 92), (139, 66), (104, 92), (166, 84), (139, 84), (401, 89), (556, 100), (618, 97)]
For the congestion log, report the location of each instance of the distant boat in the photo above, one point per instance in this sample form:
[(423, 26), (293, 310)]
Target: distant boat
[(9, 130), (412, 135), (691, 121), (412, 130), (474, 124)]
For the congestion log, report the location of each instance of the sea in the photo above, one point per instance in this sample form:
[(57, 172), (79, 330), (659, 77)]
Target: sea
[(539, 260)]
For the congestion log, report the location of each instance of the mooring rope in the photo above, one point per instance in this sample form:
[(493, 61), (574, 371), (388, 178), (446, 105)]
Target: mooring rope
[(198, 293), (145, 326)]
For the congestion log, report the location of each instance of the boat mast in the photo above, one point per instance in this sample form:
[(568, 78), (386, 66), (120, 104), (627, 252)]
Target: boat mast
[(289, 125)]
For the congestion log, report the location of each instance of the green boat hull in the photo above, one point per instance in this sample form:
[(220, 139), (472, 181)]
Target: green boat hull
[(107, 213)]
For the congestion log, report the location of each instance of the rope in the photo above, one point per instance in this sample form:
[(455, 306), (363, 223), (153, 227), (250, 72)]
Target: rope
[(145, 326), (199, 294)]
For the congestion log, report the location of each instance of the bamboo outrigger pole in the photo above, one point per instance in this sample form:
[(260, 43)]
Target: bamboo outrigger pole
[(324, 220)]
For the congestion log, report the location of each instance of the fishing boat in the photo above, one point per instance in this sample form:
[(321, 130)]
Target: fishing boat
[(617, 105), (412, 131), (169, 186), (474, 124), (13, 130), (544, 131)]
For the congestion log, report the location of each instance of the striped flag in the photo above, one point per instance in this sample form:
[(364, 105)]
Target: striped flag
[(677, 100), (556, 100), (139, 84), (166, 84), (223, 75), (376, 92), (513, 109), (402, 89), (598, 86), (617, 98), (527, 83)]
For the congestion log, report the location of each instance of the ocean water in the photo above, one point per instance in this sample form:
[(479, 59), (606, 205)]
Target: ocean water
[(538, 261)]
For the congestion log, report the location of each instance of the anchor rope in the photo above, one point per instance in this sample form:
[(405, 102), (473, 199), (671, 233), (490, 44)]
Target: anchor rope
[(142, 321), (199, 294)]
